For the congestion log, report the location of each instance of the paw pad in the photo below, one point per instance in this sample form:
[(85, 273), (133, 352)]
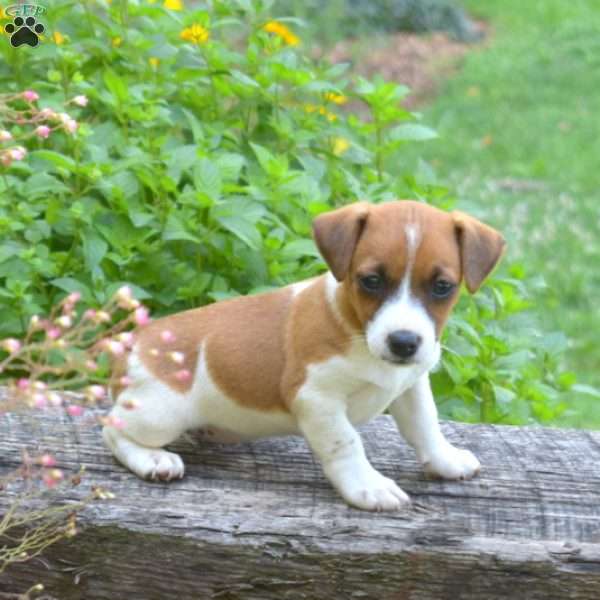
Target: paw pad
[(24, 31)]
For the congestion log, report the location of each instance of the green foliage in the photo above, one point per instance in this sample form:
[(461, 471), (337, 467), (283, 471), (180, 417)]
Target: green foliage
[(208, 145)]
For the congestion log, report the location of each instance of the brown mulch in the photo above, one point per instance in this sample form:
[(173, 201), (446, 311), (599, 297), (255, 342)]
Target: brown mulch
[(421, 62)]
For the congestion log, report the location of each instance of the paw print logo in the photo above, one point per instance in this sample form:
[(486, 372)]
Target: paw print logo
[(24, 31)]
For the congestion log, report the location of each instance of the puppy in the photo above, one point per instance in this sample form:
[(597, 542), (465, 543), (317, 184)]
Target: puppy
[(316, 357)]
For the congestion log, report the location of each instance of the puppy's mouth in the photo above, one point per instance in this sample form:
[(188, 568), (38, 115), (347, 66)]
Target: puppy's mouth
[(400, 362)]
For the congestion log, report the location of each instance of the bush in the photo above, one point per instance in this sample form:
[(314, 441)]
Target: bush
[(209, 142), (349, 18)]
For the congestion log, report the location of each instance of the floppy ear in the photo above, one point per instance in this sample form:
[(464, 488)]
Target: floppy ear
[(336, 234), (480, 249)]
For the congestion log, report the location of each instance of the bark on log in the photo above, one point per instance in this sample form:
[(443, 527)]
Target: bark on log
[(259, 521)]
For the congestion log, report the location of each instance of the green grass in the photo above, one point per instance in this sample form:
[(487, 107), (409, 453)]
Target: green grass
[(526, 108)]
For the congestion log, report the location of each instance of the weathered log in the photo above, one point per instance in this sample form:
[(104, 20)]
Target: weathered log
[(259, 521)]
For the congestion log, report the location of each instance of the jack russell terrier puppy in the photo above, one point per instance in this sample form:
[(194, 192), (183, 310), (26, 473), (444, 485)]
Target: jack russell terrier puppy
[(316, 357)]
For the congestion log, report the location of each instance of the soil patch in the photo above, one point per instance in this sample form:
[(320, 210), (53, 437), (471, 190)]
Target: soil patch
[(419, 61)]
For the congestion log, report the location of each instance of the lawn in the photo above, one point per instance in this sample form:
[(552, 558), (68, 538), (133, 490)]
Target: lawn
[(519, 141)]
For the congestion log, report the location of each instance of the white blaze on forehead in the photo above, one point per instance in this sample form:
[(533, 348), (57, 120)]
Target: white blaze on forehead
[(403, 311)]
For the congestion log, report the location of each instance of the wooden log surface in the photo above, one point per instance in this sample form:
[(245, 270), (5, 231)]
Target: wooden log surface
[(259, 521)]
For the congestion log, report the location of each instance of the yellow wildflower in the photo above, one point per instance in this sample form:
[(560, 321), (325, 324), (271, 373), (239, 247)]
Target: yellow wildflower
[(173, 4), (311, 108), (196, 34), (340, 145), (335, 98), (116, 42), (283, 32), (58, 38), (154, 62), (3, 14)]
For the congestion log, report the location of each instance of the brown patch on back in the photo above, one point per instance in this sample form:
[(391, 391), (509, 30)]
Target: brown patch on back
[(243, 344)]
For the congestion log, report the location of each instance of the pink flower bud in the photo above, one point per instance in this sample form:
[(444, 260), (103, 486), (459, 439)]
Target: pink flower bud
[(71, 125), (5, 159), (5, 136), (177, 357), (47, 113), (64, 321), (89, 314), (91, 365), (74, 410), (73, 298), (53, 333), (115, 348), (167, 336), (141, 316), (17, 153), (115, 422), (52, 477), (102, 317), (63, 117), (183, 375), (96, 392), (40, 400), (23, 383), (30, 96), (55, 399), (43, 131), (80, 100), (126, 338), (11, 345), (125, 381), (47, 460)]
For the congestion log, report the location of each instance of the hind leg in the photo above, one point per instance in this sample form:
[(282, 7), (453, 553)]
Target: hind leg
[(161, 415)]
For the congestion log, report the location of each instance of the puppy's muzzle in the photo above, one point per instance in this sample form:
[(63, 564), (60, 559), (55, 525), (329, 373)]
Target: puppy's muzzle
[(403, 345)]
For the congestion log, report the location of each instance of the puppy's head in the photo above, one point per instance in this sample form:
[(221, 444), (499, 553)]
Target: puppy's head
[(400, 265)]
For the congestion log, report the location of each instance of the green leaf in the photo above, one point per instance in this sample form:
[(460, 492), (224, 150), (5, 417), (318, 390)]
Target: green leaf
[(412, 132), (207, 178), (116, 86), (582, 388), (299, 248), (56, 159), (68, 284), (94, 250), (176, 230), (242, 229), (181, 159)]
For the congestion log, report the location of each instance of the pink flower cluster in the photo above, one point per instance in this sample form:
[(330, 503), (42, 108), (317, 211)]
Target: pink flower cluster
[(44, 120)]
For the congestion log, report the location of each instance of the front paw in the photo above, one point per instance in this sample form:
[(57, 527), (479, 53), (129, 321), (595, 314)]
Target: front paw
[(452, 463), (368, 489)]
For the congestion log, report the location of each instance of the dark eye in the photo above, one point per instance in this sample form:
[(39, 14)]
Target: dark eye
[(372, 283), (442, 288)]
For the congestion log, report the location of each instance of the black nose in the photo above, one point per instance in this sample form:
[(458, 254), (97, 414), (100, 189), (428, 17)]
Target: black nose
[(404, 343)]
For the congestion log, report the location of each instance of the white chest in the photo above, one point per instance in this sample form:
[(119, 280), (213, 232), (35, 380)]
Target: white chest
[(365, 384)]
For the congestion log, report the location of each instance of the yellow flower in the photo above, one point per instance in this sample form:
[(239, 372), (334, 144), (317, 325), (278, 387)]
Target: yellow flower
[(154, 62), (282, 31), (311, 108), (173, 4), (58, 38), (116, 42), (336, 98), (196, 34), (3, 14), (340, 145)]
